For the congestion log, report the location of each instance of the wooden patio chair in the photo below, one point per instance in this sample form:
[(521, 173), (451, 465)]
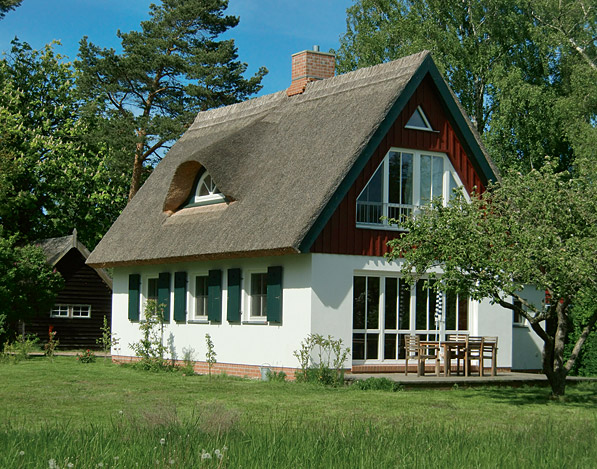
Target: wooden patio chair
[(489, 352), (474, 353), (460, 354), (414, 351)]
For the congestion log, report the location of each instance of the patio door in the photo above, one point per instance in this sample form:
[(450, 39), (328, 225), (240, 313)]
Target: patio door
[(386, 308)]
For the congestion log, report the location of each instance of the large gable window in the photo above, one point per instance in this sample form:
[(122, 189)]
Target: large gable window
[(205, 191), (404, 181)]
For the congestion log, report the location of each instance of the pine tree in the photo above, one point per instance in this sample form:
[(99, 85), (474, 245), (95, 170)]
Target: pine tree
[(166, 73)]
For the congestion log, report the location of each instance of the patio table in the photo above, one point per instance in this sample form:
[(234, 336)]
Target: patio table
[(449, 346)]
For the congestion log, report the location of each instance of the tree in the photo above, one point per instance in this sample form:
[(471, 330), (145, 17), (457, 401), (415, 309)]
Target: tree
[(52, 177), (539, 229), (520, 69), (28, 285), (7, 5), (167, 72)]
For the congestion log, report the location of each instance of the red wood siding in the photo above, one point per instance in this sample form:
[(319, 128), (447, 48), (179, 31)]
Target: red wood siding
[(82, 286), (340, 235)]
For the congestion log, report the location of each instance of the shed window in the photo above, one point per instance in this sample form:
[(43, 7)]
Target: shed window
[(71, 311)]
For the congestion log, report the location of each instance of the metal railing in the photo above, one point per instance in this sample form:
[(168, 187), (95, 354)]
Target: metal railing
[(377, 213)]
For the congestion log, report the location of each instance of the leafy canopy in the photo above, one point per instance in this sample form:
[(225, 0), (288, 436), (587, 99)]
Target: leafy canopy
[(166, 73), (538, 228)]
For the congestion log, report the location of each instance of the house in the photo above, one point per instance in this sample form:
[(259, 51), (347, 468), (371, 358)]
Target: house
[(82, 304), (264, 223)]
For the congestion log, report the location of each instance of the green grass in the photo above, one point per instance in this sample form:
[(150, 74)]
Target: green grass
[(87, 414)]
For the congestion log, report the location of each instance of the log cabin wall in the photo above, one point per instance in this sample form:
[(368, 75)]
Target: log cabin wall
[(83, 286), (340, 235)]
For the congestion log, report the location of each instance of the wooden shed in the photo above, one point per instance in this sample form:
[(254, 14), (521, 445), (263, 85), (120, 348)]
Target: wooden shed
[(82, 304)]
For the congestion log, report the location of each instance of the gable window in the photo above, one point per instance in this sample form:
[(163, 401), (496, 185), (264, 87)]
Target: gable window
[(205, 191), (419, 121), (71, 311), (404, 181)]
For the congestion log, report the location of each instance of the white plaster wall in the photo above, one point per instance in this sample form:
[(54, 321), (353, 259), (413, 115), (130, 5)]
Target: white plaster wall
[(250, 344), (527, 347), (493, 320)]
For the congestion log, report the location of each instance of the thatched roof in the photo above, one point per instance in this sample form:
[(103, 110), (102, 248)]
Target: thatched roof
[(278, 159), (56, 248)]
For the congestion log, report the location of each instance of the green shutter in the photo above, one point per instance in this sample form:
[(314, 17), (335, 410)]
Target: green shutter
[(164, 294), (180, 296), (134, 303), (214, 295), (274, 294), (233, 304)]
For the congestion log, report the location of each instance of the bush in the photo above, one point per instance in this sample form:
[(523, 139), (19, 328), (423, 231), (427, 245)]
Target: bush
[(328, 368), (86, 357), (151, 348), (376, 384), (273, 375), (20, 349)]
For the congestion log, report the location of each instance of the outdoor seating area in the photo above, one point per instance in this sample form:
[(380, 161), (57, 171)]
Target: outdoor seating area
[(465, 350)]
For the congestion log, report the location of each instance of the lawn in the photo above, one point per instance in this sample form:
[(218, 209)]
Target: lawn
[(66, 414)]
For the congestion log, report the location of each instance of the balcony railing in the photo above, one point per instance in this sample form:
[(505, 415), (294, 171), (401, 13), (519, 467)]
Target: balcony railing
[(377, 213)]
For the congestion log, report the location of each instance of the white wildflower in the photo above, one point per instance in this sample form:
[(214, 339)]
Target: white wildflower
[(116, 458), (70, 465), (52, 464), (205, 455), (162, 441), (172, 461), (100, 464), (21, 453)]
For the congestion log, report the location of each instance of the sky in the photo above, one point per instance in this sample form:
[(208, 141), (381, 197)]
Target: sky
[(269, 32)]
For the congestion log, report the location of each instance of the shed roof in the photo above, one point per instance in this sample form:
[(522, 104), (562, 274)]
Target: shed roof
[(282, 161)]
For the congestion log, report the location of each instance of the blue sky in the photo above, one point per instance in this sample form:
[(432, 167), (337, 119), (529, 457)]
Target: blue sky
[(268, 33)]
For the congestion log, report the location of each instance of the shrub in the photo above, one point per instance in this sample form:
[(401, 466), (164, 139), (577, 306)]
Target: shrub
[(86, 357), (210, 355), (52, 343), (107, 339), (376, 384), (328, 368), (20, 349), (273, 375), (151, 348)]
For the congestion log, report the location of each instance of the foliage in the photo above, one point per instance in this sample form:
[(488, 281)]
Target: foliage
[(210, 355), (167, 72), (27, 284), (107, 340), (275, 376), (22, 347), (586, 363), (376, 384), (151, 349), (51, 344), (53, 178), (86, 357), (536, 229), (188, 369), (7, 5), (327, 366), (522, 70)]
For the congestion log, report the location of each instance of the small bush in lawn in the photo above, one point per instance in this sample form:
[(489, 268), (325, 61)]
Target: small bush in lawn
[(210, 355), (151, 348), (376, 384), (50, 346), (107, 339), (188, 369), (20, 349), (273, 375), (328, 368), (86, 357)]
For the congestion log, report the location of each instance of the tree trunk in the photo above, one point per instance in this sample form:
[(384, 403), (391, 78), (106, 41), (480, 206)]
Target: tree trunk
[(137, 171)]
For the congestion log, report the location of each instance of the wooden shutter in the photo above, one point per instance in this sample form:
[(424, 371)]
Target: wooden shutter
[(233, 304), (180, 296), (274, 294), (164, 294), (214, 295), (134, 298)]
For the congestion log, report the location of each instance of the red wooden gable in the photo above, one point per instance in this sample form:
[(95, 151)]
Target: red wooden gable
[(340, 235)]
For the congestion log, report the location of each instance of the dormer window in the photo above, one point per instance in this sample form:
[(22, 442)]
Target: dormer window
[(403, 182), (419, 121), (205, 191)]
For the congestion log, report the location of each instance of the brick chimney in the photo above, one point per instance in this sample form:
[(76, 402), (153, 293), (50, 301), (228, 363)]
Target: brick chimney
[(310, 65)]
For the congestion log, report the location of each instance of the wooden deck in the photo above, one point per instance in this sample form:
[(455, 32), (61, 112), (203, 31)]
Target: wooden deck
[(511, 379)]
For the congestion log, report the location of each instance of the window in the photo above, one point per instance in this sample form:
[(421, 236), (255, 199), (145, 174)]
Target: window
[(71, 311), (404, 181), (418, 121), (259, 295), (385, 309), (152, 289), (205, 191), (201, 297), (517, 318)]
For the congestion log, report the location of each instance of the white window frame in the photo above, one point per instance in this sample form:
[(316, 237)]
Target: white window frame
[(429, 128), (192, 297), (211, 198), (248, 301), (145, 292), (70, 311), (416, 187), (412, 330)]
